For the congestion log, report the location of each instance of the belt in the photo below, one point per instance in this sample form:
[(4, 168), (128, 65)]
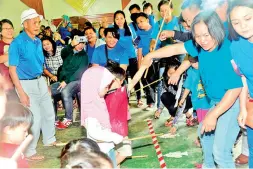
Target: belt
[(32, 78)]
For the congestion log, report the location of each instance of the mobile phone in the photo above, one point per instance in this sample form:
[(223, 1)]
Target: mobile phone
[(81, 39)]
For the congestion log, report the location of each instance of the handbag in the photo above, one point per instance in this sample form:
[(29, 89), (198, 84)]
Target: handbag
[(109, 62), (249, 119)]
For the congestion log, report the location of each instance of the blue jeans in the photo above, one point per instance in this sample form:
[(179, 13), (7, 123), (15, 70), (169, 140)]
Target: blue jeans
[(217, 145), (159, 89), (67, 94), (250, 143)]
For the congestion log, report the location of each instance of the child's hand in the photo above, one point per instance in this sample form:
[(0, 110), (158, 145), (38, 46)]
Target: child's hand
[(181, 102), (174, 78), (166, 34)]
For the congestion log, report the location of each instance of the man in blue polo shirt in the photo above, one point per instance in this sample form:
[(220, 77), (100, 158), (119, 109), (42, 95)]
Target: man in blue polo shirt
[(26, 61), (112, 50)]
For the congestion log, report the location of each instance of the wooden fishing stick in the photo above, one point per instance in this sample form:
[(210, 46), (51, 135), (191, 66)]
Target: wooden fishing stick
[(161, 27), (22, 147), (143, 137), (147, 85), (142, 156)]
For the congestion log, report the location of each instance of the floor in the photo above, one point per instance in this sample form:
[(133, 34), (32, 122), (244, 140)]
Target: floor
[(184, 142)]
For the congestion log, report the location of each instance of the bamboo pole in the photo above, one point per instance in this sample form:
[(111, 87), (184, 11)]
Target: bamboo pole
[(142, 156), (161, 27)]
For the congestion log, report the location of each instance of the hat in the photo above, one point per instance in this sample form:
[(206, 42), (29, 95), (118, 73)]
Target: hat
[(29, 14)]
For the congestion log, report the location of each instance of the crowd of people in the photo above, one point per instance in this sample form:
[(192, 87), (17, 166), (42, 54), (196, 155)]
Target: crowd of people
[(201, 61)]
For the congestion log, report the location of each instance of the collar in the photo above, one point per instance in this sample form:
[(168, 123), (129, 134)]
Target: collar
[(27, 38)]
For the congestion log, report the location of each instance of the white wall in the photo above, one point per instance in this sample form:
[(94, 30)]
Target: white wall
[(105, 6)]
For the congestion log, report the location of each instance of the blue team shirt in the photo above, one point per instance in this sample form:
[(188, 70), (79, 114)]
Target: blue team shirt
[(242, 53), (145, 39), (64, 32), (127, 43), (172, 25), (215, 69), (27, 55), (117, 54), (90, 51), (198, 94)]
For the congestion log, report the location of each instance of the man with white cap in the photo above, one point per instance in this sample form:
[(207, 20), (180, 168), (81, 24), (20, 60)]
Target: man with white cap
[(26, 61)]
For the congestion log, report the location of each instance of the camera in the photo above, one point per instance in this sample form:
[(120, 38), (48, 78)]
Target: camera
[(81, 39)]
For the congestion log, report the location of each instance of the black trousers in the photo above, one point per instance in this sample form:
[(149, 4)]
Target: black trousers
[(153, 74), (132, 69)]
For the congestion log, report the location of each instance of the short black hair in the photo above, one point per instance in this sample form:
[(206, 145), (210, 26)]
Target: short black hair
[(89, 27), (162, 2), (146, 5), (114, 32), (52, 42), (126, 27), (88, 23), (5, 21), (15, 115), (76, 32), (80, 144), (117, 71), (99, 36), (134, 6), (139, 15)]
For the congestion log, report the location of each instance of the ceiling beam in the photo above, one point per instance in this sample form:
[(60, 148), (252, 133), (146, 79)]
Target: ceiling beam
[(35, 4), (124, 3)]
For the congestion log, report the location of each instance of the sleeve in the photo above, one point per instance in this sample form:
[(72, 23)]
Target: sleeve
[(14, 54), (97, 132), (155, 30), (151, 20), (124, 58), (133, 32), (96, 56), (182, 36), (190, 48), (82, 67), (65, 52)]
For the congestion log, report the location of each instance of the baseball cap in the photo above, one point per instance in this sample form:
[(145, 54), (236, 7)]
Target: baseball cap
[(29, 14)]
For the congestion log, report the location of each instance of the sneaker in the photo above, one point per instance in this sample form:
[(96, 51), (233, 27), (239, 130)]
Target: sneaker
[(67, 122), (61, 126), (57, 123)]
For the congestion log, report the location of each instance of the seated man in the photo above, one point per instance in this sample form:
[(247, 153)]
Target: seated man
[(75, 62), (111, 52)]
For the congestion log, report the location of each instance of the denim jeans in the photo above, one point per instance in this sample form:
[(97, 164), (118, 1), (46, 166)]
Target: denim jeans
[(67, 94), (250, 143), (159, 89), (217, 145)]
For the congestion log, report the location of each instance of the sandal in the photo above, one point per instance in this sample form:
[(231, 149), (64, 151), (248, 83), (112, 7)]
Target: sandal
[(139, 103), (157, 113), (241, 159), (35, 157), (169, 122)]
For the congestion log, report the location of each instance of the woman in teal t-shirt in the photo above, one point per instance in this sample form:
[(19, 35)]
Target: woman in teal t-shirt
[(241, 32), (219, 129)]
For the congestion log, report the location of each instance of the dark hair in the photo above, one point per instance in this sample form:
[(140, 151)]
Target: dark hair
[(83, 160), (80, 144), (114, 32), (99, 36), (193, 59), (134, 6), (88, 23), (141, 14), (146, 5), (214, 25), (5, 21), (233, 35), (191, 3), (47, 28), (53, 45), (16, 114), (89, 27), (162, 2), (118, 72), (76, 32), (126, 27), (173, 62), (180, 19)]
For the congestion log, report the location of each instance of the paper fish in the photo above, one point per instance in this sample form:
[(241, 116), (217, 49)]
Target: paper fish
[(177, 154), (169, 135)]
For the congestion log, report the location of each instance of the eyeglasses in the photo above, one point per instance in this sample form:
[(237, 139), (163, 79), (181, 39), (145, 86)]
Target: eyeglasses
[(8, 29)]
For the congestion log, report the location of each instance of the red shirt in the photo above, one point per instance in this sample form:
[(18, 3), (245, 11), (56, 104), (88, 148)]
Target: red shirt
[(117, 105), (7, 150), (4, 70)]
